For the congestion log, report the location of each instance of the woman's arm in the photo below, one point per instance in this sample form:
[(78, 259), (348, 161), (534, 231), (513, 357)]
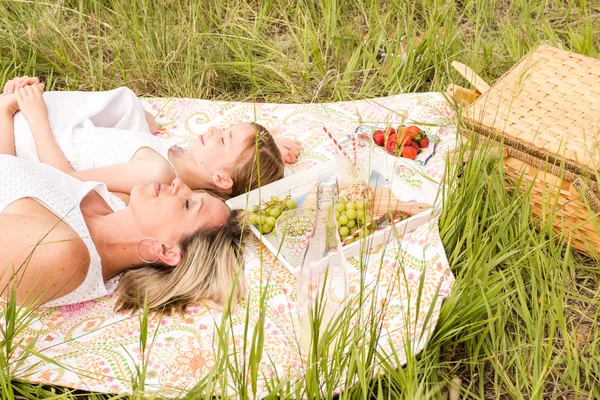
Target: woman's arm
[(7, 127)]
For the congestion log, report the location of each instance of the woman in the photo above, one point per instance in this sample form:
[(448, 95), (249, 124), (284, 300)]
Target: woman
[(64, 241), (103, 136)]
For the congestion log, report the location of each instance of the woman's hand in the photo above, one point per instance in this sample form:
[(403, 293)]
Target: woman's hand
[(20, 82), (32, 105), (8, 104), (289, 149)]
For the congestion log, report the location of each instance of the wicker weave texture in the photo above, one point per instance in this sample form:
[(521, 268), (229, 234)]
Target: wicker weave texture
[(557, 199), (549, 101)]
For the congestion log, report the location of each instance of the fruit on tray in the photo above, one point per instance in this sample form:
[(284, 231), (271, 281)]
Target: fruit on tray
[(353, 218), (361, 205), (264, 217), (406, 141)]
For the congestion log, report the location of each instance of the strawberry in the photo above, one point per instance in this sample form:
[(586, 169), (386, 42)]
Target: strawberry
[(409, 152), (415, 146), (424, 142), (379, 137), (393, 137), (412, 131), (390, 131), (391, 146), (406, 141)]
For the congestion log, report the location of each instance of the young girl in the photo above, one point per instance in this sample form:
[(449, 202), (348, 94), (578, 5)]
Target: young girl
[(110, 143)]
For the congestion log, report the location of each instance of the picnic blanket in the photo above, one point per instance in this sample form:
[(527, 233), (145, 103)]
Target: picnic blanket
[(89, 346)]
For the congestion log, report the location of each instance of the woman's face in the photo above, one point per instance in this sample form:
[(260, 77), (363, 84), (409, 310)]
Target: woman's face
[(170, 212)]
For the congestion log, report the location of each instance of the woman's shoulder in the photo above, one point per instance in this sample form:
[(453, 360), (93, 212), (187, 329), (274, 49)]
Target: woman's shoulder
[(35, 238)]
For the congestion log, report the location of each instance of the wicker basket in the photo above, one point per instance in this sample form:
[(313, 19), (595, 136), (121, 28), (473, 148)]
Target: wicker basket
[(546, 110)]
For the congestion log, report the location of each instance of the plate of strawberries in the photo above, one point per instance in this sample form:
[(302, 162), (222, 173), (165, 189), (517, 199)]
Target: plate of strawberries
[(404, 141)]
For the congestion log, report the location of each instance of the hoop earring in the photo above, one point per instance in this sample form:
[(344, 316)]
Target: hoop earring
[(137, 249)]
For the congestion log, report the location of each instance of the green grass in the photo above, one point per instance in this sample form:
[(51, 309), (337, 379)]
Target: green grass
[(522, 320)]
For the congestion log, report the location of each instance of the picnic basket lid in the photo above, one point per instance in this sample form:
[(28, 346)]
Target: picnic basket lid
[(547, 105)]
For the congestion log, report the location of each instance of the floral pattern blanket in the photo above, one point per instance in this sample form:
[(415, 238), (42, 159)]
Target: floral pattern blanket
[(88, 346)]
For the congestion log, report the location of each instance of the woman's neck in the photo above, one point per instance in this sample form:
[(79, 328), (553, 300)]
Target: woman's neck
[(115, 235)]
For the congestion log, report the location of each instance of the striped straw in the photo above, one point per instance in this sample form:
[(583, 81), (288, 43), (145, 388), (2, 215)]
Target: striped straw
[(337, 144), (354, 147)]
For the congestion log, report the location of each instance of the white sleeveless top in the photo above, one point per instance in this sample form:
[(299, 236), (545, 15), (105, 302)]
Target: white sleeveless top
[(94, 147), (61, 194), (94, 129)]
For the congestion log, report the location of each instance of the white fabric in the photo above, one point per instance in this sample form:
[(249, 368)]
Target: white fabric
[(93, 129), (62, 195)]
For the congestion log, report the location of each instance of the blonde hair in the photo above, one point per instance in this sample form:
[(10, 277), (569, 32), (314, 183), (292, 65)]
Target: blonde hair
[(211, 269), (259, 148)]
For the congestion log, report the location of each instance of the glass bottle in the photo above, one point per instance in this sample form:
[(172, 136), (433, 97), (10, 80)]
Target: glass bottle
[(322, 284)]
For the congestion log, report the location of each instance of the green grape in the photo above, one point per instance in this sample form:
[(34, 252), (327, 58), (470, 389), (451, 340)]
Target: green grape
[(262, 220), (342, 200), (368, 218), (271, 221), (268, 210), (254, 219), (276, 212), (338, 224), (353, 229), (339, 207), (360, 205), (343, 220), (350, 240), (360, 214), (290, 204), (337, 215), (363, 233), (265, 228), (351, 213), (350, 205), (351, 223), (344, 231), (274, 198)]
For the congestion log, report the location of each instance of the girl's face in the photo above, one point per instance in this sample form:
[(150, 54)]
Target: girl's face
[(215, 152), (169, 212)]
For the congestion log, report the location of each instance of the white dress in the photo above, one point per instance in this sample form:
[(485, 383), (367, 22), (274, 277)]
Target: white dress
[(61, 194), (94, 129)]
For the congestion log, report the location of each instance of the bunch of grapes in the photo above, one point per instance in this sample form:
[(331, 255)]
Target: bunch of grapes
[(352, 216), (264, 217)]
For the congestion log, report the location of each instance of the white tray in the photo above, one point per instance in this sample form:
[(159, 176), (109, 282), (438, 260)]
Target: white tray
[(383, 166)]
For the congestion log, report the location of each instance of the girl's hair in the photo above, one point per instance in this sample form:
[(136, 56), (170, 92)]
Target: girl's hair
[(268, 158), (211, 269)]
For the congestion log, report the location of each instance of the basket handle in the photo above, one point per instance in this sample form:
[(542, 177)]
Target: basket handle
[(471, 76), (583, 189)]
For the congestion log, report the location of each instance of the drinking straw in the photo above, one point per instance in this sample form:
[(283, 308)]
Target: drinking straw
[(336, 143), (354, 148)]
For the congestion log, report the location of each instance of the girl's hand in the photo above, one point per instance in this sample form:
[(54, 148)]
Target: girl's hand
[(31, 103), (20, 82), (289, 149)]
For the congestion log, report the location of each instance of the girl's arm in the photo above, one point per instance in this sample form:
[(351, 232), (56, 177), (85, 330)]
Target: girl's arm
[(8, 107), (32, 105), (118, 178)]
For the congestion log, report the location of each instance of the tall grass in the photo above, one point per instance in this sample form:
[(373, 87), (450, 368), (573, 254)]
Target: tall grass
[(522, 320)]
